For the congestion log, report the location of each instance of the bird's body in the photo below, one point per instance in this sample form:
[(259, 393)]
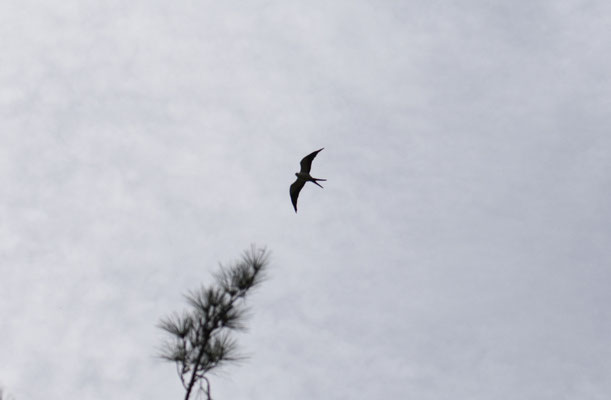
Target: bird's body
[(304, 176)]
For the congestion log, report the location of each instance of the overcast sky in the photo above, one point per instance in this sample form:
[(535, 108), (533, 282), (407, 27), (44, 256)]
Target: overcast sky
[(459, 250)]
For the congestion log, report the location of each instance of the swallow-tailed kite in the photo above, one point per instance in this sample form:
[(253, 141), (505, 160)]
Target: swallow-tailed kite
[(304, 176)]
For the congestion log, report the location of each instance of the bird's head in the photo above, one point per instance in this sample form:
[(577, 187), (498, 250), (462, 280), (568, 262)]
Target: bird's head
[(297, 174)]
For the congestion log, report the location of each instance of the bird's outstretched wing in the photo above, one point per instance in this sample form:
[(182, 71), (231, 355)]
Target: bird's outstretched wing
[(295, 189), (306, 162)]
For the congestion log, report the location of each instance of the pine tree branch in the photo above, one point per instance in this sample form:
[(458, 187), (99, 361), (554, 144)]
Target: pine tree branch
[(202, 339)]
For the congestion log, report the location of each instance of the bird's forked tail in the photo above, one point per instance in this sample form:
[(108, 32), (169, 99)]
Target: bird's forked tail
[(315, 181)]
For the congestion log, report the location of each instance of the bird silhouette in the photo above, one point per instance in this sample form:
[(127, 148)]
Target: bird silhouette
[(304, 176)]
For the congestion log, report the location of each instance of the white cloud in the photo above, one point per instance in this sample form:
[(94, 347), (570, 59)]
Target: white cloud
[(459, 248)]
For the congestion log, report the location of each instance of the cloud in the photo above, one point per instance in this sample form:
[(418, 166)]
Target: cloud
[(458, 250)]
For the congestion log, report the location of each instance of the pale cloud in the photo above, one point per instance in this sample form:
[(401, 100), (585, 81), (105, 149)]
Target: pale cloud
[(458, 250)]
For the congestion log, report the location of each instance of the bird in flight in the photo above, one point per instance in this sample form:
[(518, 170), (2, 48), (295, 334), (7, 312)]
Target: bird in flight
[(304, 176)]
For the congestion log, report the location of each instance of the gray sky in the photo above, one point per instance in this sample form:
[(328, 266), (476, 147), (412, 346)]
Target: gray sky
[(459, 250)]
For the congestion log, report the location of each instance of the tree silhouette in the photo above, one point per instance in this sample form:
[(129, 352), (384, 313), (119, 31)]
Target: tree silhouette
[(201, 337)]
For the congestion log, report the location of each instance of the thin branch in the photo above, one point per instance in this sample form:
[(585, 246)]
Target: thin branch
[(202, 335)]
